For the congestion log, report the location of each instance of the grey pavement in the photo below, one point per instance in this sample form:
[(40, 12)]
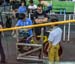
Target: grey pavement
[(9, 44)]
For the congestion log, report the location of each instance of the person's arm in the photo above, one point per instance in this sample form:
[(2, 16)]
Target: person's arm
[(38, 20), (17, 24), (0, 26), (50, 40), (41, 20), (49, 47), (44, 20), (30, 23), (45, 3)]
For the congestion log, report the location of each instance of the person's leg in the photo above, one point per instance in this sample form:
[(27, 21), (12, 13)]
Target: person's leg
[(56, 54), (2, 52), (51, 55)]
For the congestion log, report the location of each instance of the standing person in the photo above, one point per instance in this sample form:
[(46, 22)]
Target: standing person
[(25, 34), (39, 17), (21, 9), (1, 48), (23, 21), (54, 40)]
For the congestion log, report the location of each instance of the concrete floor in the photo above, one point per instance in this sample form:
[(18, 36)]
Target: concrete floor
[(9, 45)]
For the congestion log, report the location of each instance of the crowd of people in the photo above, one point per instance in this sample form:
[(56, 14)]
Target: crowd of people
[(38, 16)]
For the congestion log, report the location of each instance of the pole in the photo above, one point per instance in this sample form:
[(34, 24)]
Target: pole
[(69, 29), (64, 28)]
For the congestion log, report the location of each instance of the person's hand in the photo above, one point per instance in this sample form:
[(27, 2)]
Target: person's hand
[(35, 40), (48, 49), (0, 26), (2, 34), (12, 33), (39, 21), (26, 30), (14, 36)]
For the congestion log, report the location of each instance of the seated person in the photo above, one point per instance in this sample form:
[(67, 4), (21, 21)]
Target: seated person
[(22, 8), (32, 7), (24, 22), (24, 35), (45, 3)]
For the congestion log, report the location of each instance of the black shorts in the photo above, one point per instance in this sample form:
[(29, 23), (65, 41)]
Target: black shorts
[(38, 31)]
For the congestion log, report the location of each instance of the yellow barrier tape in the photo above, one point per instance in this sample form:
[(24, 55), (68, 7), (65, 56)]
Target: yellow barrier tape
[(38, 25)]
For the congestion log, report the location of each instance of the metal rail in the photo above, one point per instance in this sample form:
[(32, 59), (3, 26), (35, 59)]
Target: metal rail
[(38, 25)]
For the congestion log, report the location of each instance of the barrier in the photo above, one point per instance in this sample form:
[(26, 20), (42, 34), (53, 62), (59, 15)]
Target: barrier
[(24, 55), (38, 25), (27, 55), (69, 26), (64, 31), (60, 16)]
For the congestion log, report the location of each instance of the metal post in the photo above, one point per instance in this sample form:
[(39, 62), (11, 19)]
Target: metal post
[(30, 15), (26, 55), (42, 34), (64, 11), (60, 11), (69, 28), (4, 5), (73, 16), (64, 28)]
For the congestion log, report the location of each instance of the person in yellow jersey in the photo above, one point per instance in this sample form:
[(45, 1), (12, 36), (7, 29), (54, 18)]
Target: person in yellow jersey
[(54, 39)]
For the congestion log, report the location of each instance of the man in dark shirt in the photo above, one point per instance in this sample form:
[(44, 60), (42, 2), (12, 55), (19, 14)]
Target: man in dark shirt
[(1, 48), (39, 17)]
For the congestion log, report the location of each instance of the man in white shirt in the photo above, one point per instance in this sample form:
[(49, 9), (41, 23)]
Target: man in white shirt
[(32, 8), (32, 5), (54, 39)]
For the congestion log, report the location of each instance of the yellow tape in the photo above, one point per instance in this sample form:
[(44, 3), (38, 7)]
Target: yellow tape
[(38, 25)]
